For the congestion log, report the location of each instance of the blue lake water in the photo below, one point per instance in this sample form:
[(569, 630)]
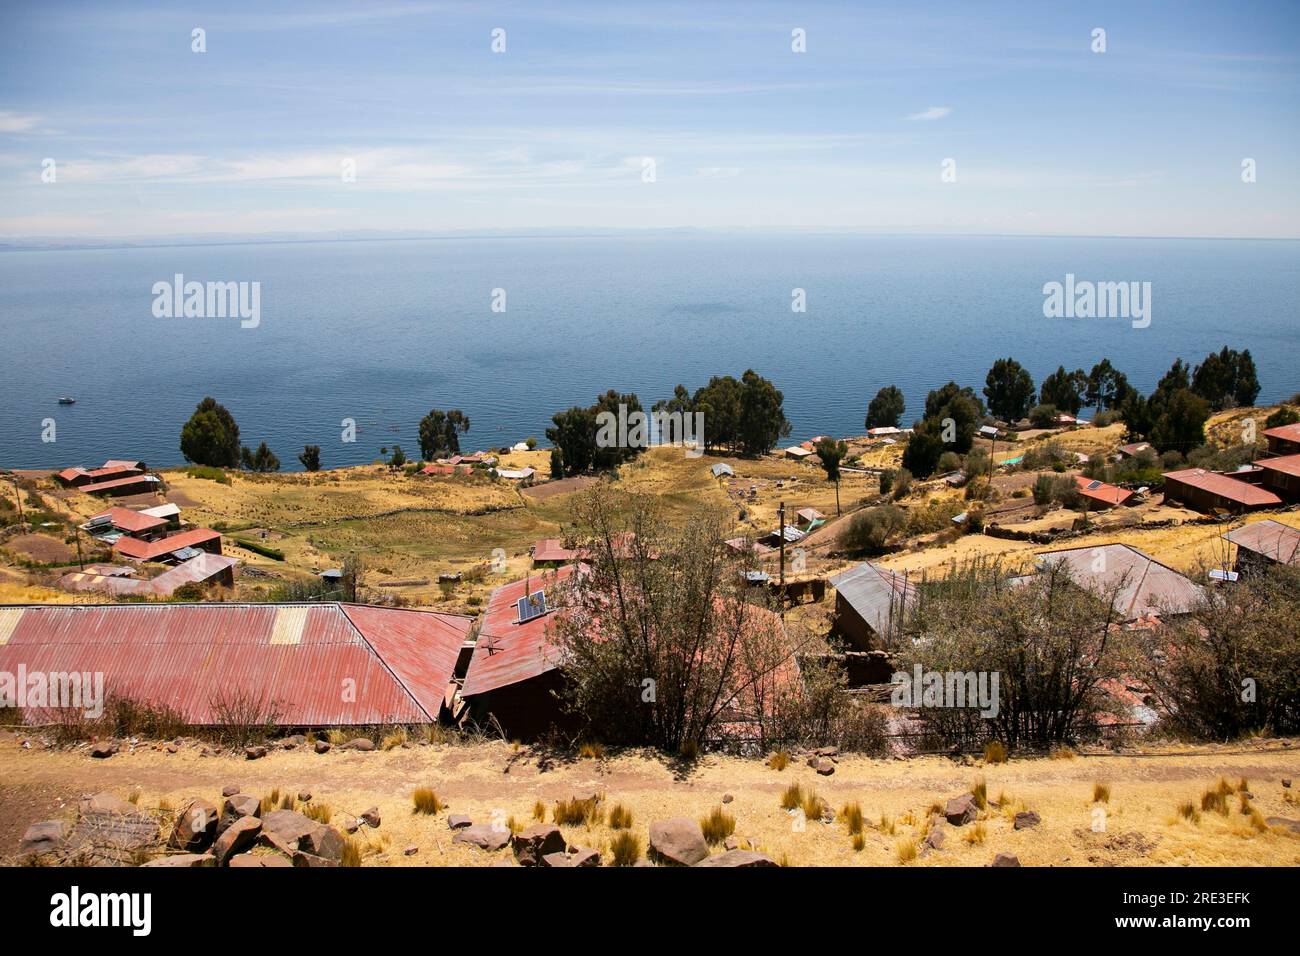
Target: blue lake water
[(382, 331)]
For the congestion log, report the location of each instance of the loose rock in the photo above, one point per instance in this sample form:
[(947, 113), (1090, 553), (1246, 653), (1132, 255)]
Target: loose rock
[(484, 836), (678, 840), (961, 810), (1005, 859), (738, 858), (537, 841), (1026, 819)]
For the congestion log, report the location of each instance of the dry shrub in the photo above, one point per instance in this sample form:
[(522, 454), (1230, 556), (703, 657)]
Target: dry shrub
[(1062, 753), (539, 810), (975, 835), (906, 850), (859, 842), (887, 825), (620, 817), (1187, 810), (980, 791), (625, 848), (351, 855), (591, 751), (994, 752), (717, 826), (394, 739), (426, 801), (793, 797), (779, 760), (320, 812), (577, 812), (851, 814), (1100, 792)]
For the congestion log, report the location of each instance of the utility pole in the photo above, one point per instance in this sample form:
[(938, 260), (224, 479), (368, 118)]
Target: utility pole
[(781, 531), (81, 562)]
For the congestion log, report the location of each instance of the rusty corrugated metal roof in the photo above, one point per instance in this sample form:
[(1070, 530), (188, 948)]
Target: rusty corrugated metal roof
[(1225, 487), (322, 664), (124, 519), (151, 550), (1270, 538), (1286, 464), (1142, 584), (508, 651)]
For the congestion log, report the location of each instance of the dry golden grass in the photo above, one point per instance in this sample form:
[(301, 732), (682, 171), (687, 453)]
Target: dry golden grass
[(779, 760), (851, 814), (717, 826), (424, 800), (1100, 792), (994, 752), (620, 817), (624, 848)]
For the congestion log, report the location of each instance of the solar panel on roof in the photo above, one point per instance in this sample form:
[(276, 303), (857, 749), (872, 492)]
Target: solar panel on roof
[(534, 605), (185, 554), (1093, 486)]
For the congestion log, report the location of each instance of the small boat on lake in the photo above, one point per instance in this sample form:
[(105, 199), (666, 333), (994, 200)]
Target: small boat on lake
[(65, 400)]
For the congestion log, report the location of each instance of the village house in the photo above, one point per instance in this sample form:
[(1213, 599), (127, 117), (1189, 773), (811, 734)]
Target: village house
[(1142, 586), (292, 658), (112, 524), (1264, 544), (869, 605), (204, 569), (1284, 439), (1098, 496), (1282, 476), (176, 547), (551, 552), (1210, 491)]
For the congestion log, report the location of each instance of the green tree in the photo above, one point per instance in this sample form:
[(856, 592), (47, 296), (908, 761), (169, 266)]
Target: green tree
[(1009, 389), (1181, 425), (1285, 415), (574, 437), (924, 448), (762, 415), (1064, 389), (1107, 387), (886, 409), (310, 457), (719, 401), (440, 433), (1226, 379), (869, 531), (211, 437), (261, 460), (399, 457), (605, 459), (831, 453)]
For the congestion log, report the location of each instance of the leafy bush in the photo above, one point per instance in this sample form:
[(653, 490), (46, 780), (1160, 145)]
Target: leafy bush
[(869, 531)]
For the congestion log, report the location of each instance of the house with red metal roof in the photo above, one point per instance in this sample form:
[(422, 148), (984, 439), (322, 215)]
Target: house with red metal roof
[(1210, 491), (162, 549), (1099, 495), (303, 665), (137, 524), (552, 552), (1141, 586), (130, 485), (205, 569), (111, 470), (1263, 544), (1284, 439), (1282, 475), (513, 674)]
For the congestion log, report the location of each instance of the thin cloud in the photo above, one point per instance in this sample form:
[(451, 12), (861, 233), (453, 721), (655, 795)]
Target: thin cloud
[(18, 122), (931, 113)]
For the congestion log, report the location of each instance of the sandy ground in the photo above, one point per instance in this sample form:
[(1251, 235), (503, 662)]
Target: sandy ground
[(501, 781)]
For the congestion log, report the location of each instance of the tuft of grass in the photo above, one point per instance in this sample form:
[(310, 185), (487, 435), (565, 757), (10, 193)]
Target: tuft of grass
[(1187, 810), (513, 824), (717, 826), (288, 802), (351, 855), (625, 848), (887, 825), (1243, 785), (591, 751), (426, 801), (1214, 800), (620, 817), (134, 797), (812, 805), (336, 737), (851, 814), (269, 802), (539, 810), (1062, 753), (1100, 792), (793, 797), (980, 791), (859, 842), (779, 760), (906, 850), (320, 812), (975, 835), (577, 812), (994, 752), (394, 739)]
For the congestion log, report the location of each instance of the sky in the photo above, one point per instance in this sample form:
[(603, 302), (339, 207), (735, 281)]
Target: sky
[(1044, 134)]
